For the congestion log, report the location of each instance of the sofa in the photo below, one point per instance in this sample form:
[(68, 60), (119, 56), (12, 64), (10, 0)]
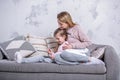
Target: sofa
[(11, 70)]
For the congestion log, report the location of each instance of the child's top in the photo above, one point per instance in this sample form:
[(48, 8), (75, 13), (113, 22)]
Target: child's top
[(60, 48)]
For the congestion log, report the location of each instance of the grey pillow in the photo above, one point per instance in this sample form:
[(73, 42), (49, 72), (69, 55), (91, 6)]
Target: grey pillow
[(9, 48), (98, 53)]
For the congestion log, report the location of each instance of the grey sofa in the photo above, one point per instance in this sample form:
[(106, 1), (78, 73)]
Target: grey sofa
[(10, 70)]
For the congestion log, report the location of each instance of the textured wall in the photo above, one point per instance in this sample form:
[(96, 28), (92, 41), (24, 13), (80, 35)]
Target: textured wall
[(100, 19)]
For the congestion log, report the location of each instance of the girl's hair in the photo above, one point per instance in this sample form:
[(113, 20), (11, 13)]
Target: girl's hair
[(62, 32), (65, 17)]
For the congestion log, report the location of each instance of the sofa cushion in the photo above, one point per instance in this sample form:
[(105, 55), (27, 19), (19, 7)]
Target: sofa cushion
[(95, 66), (9, 48), (41, 44), (38, 43)]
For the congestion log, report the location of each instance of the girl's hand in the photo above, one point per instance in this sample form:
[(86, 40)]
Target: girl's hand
[(51, 54), (67, 46)]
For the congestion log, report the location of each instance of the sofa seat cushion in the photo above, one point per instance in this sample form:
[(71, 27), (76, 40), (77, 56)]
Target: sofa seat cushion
[(90, 67)]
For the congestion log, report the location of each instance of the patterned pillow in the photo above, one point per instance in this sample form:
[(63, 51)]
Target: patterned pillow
[(98, 53), (9, 48), (39, 44)]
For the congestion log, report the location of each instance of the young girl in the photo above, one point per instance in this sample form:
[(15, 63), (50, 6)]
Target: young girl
[(68, 56), (76, 36), (61, 37)]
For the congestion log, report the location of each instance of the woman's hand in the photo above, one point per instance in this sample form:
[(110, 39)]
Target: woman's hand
[(67, 46)]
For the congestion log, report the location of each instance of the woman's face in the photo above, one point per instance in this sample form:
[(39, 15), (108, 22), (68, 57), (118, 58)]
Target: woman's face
[(60, 39), (63, 25)]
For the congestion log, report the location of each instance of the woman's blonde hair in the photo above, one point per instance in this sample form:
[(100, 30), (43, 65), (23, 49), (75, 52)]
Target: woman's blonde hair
[(65, 17)]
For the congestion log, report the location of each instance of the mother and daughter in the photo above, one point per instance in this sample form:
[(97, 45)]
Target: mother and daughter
[(72, 42)]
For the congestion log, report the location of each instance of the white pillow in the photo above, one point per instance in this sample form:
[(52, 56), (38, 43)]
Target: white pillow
[(42, 44), (39, 43)]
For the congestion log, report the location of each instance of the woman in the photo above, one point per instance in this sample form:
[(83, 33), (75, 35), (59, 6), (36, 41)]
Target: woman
[(76, 36), (76, 39)]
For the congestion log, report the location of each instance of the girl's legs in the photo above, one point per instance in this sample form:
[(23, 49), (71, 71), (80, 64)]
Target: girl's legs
[(48, 60), (37, 58), (60, 60), (75, 55), (31, 59), (20, 59)]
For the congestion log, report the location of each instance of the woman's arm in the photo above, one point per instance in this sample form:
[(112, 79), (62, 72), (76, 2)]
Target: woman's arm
[(77, 45), (82, 39)]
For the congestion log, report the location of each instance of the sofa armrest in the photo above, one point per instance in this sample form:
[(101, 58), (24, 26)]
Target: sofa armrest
[(112, 62)]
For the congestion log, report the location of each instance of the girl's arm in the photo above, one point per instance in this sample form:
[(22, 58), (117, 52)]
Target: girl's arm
[(55, 49), (51, 54)]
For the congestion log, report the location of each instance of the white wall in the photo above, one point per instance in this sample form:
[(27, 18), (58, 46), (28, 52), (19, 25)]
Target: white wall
[(100, 19)]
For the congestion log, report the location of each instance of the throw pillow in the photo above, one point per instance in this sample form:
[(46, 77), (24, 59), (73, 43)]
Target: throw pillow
[(39, 44), (9, 48), (93, 47), (98, 53)]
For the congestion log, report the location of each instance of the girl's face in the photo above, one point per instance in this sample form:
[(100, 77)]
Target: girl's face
[(63, 25), (60, 39)]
